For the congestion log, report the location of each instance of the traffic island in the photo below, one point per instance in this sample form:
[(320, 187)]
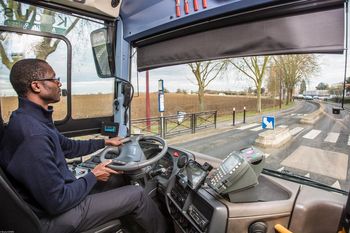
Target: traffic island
[(273, 138), (313, 117)]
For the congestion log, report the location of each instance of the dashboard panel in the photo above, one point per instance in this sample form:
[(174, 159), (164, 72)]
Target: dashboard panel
[(203, 210)]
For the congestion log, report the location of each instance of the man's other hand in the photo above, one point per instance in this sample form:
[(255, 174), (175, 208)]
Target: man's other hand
[(116, 141), (102, 172)]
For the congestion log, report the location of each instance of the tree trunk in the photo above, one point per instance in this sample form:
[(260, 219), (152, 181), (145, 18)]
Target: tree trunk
[(201, 99), (288, 96), (258, 101)]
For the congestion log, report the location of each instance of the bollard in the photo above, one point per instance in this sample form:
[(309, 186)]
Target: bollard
[(244, 115), (233, 116)]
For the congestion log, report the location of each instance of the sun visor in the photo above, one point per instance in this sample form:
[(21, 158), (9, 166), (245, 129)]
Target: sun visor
[(317, 32)]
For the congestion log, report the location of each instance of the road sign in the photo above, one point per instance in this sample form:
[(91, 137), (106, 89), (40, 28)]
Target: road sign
[(268, 122), (160, 96)]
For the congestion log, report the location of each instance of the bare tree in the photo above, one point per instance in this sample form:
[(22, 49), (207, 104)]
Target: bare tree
[(254, 68), (274, 82), (205, 72), (43, 49), (295, 68)]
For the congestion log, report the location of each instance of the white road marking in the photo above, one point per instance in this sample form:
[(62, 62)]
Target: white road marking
[(332, 137), (307, 175), (248, 126), (336, 185), (256, 129), (280, 169), (296, 130), (349, 141), (266, 155), (312, 134), (283, 126)]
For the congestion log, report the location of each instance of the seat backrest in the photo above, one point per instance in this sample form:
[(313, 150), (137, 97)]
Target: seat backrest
[(15, 214)]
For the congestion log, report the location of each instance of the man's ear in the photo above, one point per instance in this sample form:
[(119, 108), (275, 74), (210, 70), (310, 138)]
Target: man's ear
[(35, 87)]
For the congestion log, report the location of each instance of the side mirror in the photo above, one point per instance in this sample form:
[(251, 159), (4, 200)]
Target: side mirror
[(102, 49)]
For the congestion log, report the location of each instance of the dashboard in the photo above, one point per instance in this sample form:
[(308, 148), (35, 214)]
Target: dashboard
[(234, 197)]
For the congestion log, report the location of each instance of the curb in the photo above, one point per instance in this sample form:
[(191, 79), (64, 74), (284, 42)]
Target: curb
[(273, 138), (314, 116)]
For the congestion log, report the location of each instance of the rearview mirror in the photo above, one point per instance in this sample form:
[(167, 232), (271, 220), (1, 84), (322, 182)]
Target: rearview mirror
[(102, 48)]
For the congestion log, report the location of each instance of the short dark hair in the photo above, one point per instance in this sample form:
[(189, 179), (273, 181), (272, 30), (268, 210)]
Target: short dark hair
[(24, 72)]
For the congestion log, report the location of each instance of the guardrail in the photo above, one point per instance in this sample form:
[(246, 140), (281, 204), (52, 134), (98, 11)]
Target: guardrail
[(168, 126)]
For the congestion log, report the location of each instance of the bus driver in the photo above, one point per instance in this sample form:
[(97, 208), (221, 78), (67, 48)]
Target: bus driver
[(33, 155)]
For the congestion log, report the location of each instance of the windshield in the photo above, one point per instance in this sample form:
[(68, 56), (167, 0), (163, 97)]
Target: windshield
[(287, 106)]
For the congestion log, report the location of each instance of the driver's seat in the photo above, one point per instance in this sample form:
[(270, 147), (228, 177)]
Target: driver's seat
[(16, 215)]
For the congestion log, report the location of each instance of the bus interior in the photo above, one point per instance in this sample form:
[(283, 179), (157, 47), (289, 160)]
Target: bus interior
[(98, 45)]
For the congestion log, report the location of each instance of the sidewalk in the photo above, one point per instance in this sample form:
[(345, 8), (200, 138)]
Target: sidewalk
[(224, 126)]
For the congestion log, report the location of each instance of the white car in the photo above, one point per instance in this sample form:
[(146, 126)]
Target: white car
[(308, 97)]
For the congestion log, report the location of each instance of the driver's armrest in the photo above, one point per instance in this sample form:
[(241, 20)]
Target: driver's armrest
[(111, 226)]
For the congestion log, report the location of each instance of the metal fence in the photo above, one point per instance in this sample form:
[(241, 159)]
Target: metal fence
[(168, 126)]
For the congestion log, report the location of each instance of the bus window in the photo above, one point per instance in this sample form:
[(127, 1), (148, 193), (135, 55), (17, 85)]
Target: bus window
[(18, 46), (29, 31)]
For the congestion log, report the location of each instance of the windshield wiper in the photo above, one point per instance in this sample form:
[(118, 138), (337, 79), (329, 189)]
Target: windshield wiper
[(288, 175)]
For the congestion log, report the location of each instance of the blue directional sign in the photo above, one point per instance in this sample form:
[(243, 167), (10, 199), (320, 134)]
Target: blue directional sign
[(268, 122)]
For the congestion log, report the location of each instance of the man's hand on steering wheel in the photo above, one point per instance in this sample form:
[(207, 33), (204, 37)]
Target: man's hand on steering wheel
[(116, 141), (102, 172)]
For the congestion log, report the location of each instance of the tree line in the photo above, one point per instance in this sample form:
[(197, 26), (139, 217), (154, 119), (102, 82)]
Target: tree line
[(283, 72)]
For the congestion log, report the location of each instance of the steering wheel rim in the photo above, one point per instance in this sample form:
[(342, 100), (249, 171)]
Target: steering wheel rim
[(144, 162)]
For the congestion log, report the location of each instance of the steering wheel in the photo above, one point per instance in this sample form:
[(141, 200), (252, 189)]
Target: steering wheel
[(130, 156)]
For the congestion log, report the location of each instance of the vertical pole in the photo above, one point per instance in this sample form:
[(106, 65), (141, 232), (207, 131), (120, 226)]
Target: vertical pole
[(148, 103), (162, 126), (233, 116), (244, 115), (215, 117), (346, 54), (194, 123), (161, 107)]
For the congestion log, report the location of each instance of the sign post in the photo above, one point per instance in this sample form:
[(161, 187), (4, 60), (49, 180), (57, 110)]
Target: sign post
[(268, 122), (161, 107)]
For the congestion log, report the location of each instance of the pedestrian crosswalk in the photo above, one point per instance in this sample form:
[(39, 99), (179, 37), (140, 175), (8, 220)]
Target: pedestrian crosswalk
[(332, 137), (296, 130), (313, 134)]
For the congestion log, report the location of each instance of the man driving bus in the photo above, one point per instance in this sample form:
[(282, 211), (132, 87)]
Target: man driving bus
[(33, 152)]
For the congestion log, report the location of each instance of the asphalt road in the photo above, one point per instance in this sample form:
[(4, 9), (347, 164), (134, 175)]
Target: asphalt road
[(311, 144)]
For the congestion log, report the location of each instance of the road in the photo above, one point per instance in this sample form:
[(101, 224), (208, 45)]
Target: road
[(319, 151)]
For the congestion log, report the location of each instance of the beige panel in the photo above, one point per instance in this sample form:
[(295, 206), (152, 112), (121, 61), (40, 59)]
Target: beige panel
[(238, 210), (95, 6), (317, 211), (241, 225)]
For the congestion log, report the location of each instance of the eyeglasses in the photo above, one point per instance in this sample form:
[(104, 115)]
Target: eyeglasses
[(57, 80)]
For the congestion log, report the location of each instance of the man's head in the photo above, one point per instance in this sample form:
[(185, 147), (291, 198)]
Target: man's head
[(35, 78)]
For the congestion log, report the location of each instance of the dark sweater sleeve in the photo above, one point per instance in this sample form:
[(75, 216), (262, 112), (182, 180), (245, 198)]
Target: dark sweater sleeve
[(34, 166), (76, 148)]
